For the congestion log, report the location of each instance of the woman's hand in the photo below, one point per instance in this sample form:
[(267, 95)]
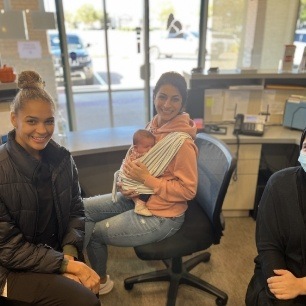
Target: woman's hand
[(136, 171), (285, 285), (88, 277)]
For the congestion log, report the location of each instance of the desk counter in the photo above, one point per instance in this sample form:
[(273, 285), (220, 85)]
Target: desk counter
[(99, 153), (84, 143), (242, 194), (272, 134)]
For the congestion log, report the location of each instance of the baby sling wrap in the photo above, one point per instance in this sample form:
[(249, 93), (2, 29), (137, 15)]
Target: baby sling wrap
[(156, 159)]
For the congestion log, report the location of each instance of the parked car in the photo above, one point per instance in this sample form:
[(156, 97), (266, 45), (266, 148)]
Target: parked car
[(187, 44), (79, 59), (300, 43), (169, 45)]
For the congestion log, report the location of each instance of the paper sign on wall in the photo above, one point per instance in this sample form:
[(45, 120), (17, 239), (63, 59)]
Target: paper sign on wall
[(235, 102), (29, 49), (214, 101)]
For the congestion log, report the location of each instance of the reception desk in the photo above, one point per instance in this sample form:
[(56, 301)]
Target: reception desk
[(99, 153), (275, 147)]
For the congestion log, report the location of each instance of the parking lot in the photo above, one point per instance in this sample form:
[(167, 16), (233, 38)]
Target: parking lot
[(92, 106), (125, 61)]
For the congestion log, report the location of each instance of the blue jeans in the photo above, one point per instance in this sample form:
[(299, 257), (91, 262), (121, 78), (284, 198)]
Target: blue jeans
[(117, 224)]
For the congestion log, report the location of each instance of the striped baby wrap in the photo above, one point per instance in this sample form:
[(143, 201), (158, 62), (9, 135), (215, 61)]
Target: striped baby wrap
[(156, 159)]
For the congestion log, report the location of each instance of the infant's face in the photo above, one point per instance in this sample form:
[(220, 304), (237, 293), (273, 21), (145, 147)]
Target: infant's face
[(145, 145)]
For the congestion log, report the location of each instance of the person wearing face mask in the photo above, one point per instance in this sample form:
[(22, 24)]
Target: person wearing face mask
[(280, 266), (117, 224)]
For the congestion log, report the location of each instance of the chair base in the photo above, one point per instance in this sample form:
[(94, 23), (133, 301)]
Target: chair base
[(177, 273)]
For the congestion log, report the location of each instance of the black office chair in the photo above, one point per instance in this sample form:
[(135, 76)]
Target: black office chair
[(203, 225)]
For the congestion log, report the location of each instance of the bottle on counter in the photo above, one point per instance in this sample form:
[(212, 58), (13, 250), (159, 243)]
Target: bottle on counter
[(62, 128)]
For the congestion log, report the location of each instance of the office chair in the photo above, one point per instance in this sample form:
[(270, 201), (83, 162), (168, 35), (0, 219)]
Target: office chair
[(203, 225)]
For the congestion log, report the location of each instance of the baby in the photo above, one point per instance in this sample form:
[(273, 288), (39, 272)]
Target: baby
[(143, 141)]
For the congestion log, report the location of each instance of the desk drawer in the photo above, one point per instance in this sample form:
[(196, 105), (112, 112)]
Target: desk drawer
[(241, 193)]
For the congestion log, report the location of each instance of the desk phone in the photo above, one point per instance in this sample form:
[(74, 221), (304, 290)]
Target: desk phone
[(247, 128)]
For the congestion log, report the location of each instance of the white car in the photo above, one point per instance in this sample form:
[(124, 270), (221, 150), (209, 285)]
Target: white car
[(169, 45), (187, 44)]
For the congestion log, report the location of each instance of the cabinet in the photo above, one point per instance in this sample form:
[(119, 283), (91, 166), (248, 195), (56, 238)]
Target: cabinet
[(240, 196), (283, 83)]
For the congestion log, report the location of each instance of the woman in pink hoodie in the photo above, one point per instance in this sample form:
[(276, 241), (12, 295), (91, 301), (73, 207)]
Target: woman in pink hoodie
[(117, 224)]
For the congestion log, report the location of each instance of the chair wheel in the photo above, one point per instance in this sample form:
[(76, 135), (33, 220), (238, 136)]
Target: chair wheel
[(221, 302), (128, 286), (206, 257)]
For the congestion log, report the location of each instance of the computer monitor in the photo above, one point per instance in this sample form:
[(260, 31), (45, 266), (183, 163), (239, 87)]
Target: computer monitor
[(195, 103)]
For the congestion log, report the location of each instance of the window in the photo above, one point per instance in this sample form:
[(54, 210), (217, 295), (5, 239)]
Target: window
[(108, 88), (237, 36)]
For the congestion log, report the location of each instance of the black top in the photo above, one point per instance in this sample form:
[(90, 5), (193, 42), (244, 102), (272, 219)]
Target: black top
[(47, 226), (280, 233), (301, 179), (20, 205)]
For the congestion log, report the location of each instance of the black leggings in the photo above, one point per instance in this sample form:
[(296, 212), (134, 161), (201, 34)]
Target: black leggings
[(46, 290)]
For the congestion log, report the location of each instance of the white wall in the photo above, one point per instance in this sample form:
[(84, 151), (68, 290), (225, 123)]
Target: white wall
[(10, 56)]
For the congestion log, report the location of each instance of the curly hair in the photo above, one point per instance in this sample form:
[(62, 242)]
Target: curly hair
[(31, 87)]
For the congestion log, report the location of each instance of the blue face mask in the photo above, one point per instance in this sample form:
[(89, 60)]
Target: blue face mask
[(302, 160)]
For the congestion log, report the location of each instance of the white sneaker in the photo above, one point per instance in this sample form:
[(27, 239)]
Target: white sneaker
[(107, 286)]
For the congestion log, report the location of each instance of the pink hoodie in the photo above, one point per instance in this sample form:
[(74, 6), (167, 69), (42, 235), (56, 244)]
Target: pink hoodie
[(179, 181)]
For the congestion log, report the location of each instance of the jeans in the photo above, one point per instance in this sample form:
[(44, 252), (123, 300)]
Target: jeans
[(117, 224)]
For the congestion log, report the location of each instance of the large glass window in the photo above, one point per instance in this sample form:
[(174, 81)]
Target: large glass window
[(104, 63), (107, 55), (300, 38), (106, 58), (174, 36), (224, 33)]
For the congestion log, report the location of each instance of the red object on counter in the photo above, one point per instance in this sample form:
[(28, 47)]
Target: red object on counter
[(7, 74)]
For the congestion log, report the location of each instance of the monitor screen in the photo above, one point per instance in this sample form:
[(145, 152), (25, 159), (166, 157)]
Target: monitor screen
[(195, 103)]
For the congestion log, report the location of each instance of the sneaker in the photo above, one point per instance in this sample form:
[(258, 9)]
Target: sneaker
[(106, 287)]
